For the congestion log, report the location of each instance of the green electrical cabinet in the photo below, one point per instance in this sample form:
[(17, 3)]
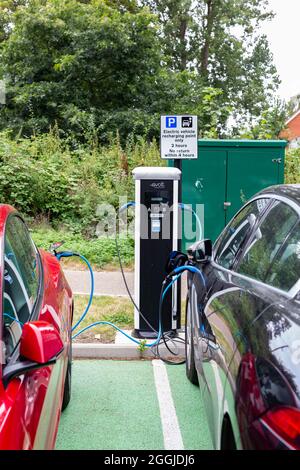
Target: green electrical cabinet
[(227, 174)]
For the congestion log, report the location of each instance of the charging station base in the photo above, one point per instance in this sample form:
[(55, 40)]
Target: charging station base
[(152, 335)]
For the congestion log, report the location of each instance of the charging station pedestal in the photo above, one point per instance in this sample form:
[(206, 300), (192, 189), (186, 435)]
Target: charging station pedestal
[(156, 235)]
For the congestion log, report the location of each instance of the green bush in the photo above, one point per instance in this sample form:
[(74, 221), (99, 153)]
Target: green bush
[(46, 177), (292, 166), (100, 252)]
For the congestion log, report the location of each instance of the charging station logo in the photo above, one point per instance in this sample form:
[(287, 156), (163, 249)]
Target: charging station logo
[(171, 122), (158, 185)]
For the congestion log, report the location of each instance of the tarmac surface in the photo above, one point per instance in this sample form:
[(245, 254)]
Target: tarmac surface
[(107, 283)]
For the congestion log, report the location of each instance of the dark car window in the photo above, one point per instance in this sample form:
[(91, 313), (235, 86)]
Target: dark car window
[(237, 232), (285, 269), (270, 236), (21, 280)]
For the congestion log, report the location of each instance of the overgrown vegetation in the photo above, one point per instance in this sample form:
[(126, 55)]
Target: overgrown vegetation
[(49, 179), (58, 187), (101, 252), (292, 166), (115, 310)]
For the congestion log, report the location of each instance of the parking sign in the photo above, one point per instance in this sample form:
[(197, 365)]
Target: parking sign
[(171, 122), (179, 137)]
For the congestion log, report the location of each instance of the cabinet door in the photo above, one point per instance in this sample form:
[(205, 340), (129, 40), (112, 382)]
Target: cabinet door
[(204, 182), (248, 172)]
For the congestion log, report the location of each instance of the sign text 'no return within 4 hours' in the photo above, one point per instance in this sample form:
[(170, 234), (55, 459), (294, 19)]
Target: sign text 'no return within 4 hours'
[(179, 137)]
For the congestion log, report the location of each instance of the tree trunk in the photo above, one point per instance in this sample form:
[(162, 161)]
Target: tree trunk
[(183, 52), (207, 37)]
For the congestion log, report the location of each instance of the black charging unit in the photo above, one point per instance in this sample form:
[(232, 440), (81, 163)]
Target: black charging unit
[(157, 234)]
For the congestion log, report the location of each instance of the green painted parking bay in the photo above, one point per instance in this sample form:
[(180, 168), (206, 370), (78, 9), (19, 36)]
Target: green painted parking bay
[(134, 405)]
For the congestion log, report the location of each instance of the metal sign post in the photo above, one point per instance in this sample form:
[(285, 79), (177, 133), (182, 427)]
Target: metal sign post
[(179, 141)]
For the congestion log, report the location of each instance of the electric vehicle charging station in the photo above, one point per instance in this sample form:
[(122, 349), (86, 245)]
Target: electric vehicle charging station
[(158, 262), (157, 231)]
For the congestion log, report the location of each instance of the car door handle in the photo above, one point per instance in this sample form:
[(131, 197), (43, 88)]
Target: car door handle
[(226, 205)]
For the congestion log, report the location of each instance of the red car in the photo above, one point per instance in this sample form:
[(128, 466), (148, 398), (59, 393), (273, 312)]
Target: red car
[(36, 314)]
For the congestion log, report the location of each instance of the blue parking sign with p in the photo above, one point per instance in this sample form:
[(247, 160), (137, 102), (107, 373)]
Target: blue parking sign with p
[(171, 122)]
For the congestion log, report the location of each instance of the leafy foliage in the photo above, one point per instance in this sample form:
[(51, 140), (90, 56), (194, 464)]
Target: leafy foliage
[(267, 126), (76, 64), (99, 67), (46, 178), (292, 167), (221, 40), (100, 252), (58, 187)]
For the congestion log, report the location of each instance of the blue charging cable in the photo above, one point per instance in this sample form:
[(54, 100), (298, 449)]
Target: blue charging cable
[(157, 341), (191, 269), (127, 206), (175, 275), (69, 254), (6, 315)]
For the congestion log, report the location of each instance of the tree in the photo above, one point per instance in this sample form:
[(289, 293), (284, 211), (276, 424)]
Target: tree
[(124, 5), (70, 62), (93, 67), (293, 105), (177, 29), (7, 7), (106, 65), (220, 39), (267, 126)]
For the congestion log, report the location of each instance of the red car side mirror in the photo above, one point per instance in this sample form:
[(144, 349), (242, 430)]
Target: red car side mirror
[(40, 346), (40, 342)]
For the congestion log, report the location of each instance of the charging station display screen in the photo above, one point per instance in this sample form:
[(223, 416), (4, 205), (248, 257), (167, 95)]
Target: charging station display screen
[(157, 197)]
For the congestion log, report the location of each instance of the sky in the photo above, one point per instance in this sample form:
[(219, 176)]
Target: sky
[(284, 37)]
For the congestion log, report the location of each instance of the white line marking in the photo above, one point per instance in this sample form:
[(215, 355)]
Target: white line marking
[(170, 426)]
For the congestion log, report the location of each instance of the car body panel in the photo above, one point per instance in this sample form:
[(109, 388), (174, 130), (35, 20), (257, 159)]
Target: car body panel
[(30, 406), (246, 338)]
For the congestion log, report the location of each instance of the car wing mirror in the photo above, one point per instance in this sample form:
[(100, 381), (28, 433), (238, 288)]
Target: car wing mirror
[(40, 346), (200, 252), (252, 220)]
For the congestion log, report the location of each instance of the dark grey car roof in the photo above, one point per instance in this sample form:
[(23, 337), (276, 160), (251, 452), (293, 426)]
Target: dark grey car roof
[(291, 191)]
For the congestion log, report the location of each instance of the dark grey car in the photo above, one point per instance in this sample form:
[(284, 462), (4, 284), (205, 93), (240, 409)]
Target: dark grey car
[(243, 329)]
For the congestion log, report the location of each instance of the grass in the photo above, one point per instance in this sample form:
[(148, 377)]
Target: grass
[(117, 310), (102, 255), (101, 252)]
